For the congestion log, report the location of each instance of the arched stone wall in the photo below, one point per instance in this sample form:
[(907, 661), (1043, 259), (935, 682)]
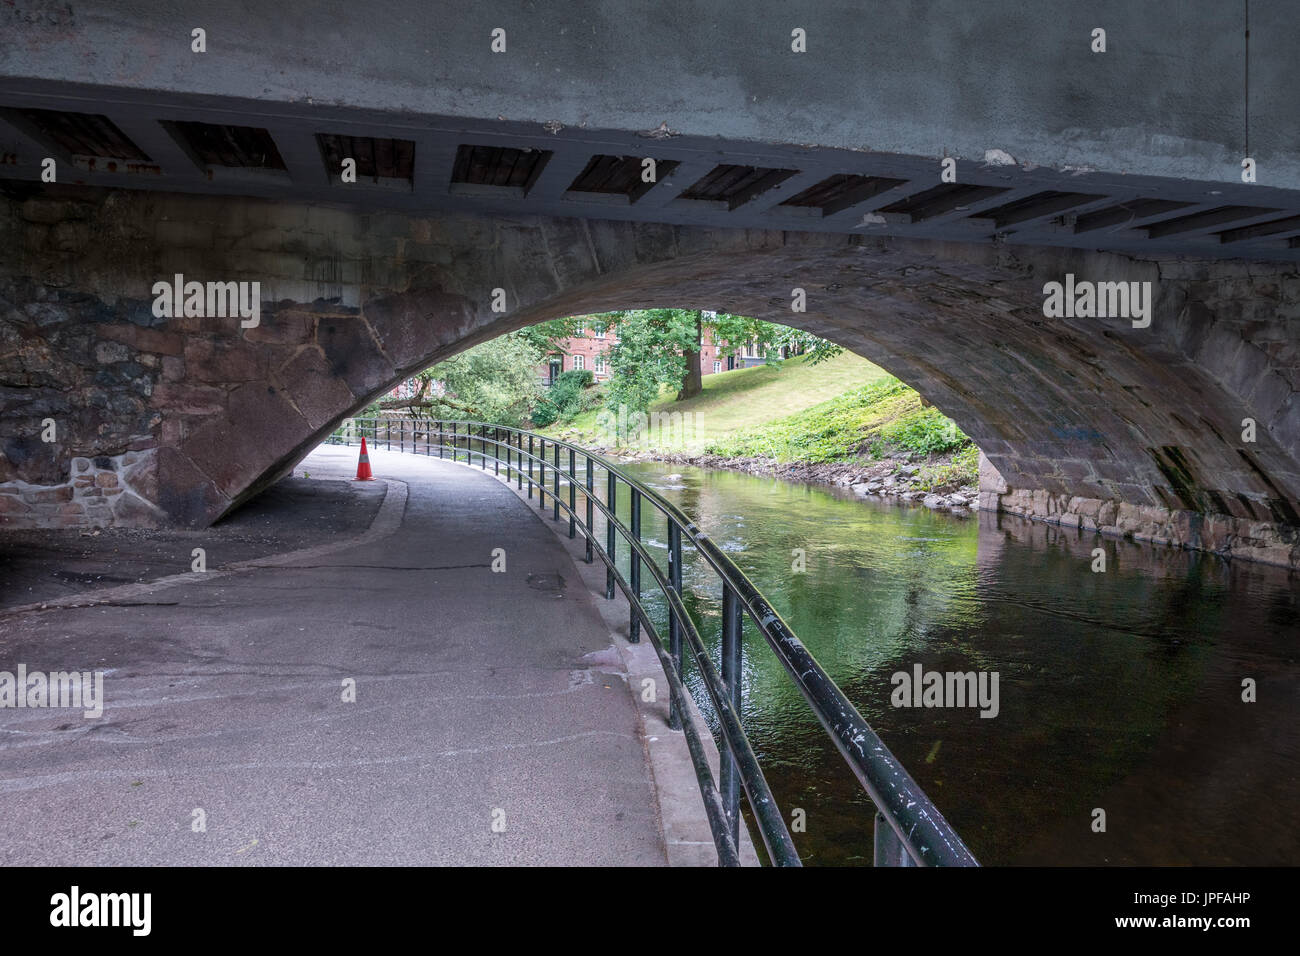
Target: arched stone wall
[(1085, 409)]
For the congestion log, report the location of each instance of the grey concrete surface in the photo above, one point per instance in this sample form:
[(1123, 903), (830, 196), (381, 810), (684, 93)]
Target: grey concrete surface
[(1169, 97), (294, 513), (687, 837), (476, 692)]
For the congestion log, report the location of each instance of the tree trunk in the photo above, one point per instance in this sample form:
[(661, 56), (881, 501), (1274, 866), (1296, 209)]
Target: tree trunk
[(692, 379)]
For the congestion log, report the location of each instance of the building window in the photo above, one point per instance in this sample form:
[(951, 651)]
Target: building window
[(580, 329), (578, 363), (599, 365), (717, 366), (598, 332)]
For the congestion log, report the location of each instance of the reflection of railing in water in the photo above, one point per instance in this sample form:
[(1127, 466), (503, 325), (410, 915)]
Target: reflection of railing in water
[(909, 829)]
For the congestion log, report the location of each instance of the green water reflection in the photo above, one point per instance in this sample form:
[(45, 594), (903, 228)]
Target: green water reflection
[(1119, 691)]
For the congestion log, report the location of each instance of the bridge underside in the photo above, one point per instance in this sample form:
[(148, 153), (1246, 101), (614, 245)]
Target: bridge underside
[(945, 125), (184, 142), (1090, 421)]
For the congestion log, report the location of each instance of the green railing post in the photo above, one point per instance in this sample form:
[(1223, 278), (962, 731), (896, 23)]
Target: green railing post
[(590, 511), (611, 495), (555, 486), (573, 500), (732, 632), (674, 625), (541, 474), (634, 626)]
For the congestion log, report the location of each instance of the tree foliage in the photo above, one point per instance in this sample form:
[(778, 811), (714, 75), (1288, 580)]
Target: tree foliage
[(647, 355), (655, 348), (566, 397), (652, 349), (732, 332), (549, 336), (494, 382)]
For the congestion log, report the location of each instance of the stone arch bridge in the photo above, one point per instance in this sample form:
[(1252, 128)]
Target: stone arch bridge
[(520, 168), (1090, 421)]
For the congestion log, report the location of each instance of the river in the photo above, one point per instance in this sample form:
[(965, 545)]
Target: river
[(1118, 691)]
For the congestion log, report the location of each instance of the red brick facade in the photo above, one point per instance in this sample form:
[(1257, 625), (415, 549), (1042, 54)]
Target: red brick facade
[(587, 350)]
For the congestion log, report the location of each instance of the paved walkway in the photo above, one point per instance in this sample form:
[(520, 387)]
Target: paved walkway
[(479, 696)]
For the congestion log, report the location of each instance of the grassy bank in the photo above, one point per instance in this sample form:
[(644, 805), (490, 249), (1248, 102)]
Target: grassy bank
[(748, 398), (845, 417), (884, 421)]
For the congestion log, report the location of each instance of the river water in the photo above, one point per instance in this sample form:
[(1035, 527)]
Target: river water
[(1119, 691)]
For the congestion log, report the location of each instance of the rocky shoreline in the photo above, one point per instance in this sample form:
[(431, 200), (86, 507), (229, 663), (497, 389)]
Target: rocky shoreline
[(896, 478)]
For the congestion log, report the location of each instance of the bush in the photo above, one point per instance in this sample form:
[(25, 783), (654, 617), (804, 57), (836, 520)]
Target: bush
[(545, 413), (566, 398), (961, 471), (882, 418), (835, 430), (925, 431)]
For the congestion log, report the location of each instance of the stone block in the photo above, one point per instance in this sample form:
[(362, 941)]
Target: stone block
[(158, 341), (230, 360), (234, 449), (10, 504), (353, 354), (989, 477), (173, 369), (283, 327), (189, 399), (311, 384), (60, 494), (411, 325), (108, 352), (185, 493)]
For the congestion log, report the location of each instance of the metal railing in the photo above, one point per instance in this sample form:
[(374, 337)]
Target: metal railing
[(909, 830)]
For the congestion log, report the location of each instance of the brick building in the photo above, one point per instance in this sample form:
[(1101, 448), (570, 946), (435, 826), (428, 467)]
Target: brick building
[(587, 351)]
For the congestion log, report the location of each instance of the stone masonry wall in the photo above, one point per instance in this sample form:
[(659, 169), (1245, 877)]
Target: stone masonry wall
[(1226, 535), (1082, 410)]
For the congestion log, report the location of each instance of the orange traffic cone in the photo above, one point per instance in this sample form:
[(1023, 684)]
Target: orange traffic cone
[(363, 464)]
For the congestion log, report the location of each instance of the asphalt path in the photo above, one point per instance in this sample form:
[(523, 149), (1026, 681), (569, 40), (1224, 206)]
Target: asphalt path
[(492, 720)]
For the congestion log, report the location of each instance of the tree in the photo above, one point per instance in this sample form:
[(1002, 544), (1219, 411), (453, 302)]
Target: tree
[(800, 342), (731, 332), (548, 336), (494, 382), (648, 354), (693, 377)]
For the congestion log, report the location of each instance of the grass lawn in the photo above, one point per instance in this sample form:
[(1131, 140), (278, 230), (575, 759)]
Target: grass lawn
[(747, 397)]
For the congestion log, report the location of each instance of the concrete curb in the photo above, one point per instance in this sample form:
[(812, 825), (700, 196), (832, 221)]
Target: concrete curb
[(386, 521), (683, 823)]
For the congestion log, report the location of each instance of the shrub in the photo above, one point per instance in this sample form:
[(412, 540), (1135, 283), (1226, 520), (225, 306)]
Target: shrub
[(835, 430), (961, 471), (882, 418), (566, 397), (925, 431)]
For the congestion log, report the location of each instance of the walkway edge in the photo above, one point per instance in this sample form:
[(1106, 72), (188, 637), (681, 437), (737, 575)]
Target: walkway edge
[(684, 827), (386, 521)]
